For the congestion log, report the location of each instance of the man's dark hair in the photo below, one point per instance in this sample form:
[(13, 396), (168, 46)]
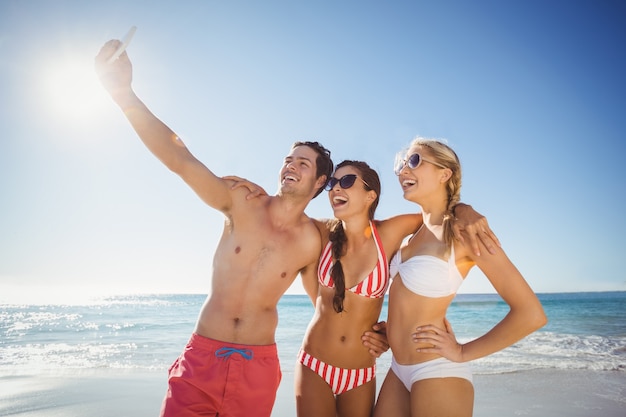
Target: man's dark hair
[(323, 162)]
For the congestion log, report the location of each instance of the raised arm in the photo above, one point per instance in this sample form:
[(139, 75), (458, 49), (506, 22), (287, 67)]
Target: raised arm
[(116, 77)]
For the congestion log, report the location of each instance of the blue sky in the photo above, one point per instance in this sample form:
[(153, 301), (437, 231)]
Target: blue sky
[(531, 94)]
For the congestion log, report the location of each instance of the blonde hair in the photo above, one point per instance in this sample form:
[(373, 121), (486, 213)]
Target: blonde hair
[(445, 155)]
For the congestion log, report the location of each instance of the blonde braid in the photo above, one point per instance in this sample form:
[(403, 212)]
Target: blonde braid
[(444, 155), (454, 197)]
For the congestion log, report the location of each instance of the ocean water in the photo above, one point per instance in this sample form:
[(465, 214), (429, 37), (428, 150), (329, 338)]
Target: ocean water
[(147, 332)]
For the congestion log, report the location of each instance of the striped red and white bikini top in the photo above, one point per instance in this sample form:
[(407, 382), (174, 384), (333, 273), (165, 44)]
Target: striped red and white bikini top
[(373, 286)]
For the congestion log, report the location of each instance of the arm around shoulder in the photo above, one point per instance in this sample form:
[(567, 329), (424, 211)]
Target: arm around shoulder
[(470, 224), (401, 225)]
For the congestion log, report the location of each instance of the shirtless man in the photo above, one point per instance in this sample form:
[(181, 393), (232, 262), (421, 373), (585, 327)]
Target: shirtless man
[(230, 366)]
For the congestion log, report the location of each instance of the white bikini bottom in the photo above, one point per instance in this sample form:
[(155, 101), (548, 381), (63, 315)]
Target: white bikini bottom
[(436, 368)]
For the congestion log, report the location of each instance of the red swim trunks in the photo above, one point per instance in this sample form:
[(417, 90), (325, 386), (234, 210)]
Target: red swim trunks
[(213, 378)]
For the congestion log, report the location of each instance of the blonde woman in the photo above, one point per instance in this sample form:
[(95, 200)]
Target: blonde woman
[(429, 373)]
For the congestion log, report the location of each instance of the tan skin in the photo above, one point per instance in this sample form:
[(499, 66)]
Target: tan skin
[(417, 329), (335, 338), (266, 242)]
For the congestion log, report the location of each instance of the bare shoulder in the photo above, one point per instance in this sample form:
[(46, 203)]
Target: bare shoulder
[(323, 226), (305, 240), (251, 215), (315, 228), (242, 200)]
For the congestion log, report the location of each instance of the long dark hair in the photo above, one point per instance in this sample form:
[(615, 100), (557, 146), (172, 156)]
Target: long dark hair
[(338, 236)]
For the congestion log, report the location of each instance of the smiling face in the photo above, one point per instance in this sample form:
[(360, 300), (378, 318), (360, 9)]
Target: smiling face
[(298, 173), (427, 180), (352, 200), (436, 180)]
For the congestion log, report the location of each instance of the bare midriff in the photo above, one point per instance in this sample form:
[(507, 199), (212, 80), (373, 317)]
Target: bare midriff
[(407, 311), (335, 338)]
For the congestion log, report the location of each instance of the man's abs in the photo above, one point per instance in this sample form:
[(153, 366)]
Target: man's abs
[(243, 323)]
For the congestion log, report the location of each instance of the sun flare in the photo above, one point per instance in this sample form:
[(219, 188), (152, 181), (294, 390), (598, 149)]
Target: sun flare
[(73, 91)]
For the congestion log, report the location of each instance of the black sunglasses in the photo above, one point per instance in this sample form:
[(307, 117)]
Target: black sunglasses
[(345, 182), (413, 161)]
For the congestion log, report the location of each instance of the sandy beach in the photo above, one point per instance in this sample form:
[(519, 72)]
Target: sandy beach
[(545, 393)]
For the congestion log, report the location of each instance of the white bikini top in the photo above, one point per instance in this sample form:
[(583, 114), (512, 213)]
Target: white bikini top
[(428, 275)]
